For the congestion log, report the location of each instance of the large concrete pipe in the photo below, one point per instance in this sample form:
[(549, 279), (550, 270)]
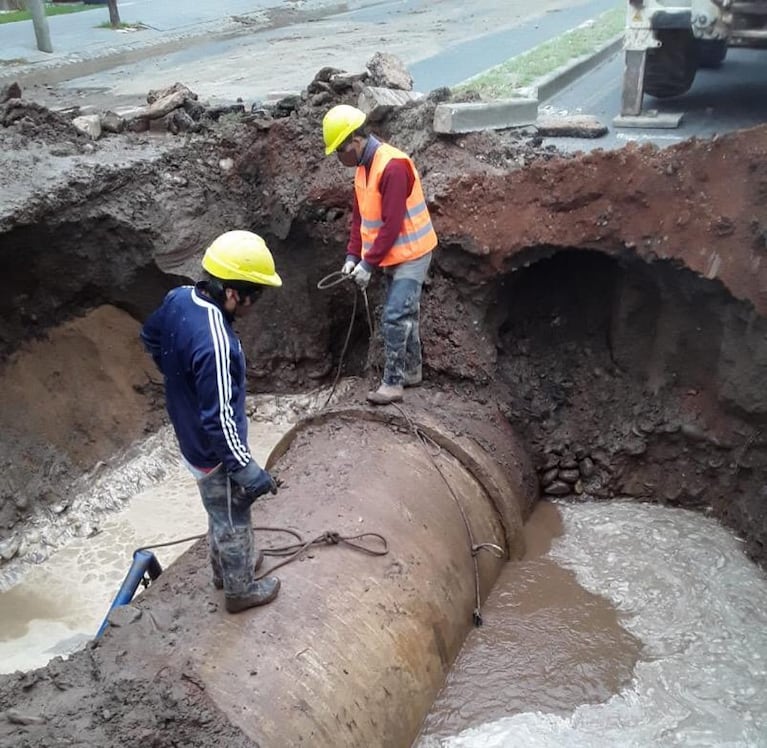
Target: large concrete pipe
[(356, 647)]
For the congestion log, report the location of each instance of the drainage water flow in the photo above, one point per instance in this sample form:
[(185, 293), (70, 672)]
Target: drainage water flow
[(683, 590)]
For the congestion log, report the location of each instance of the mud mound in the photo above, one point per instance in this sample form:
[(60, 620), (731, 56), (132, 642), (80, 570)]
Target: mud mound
[(96, 705), (26, 124), (69, 401)]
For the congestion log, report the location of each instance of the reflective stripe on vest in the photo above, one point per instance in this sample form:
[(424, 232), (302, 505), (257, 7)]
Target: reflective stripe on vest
[(417, 235)]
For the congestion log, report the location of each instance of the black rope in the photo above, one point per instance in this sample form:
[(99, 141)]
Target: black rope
[(334, 279), (292, 551), (425, 440)]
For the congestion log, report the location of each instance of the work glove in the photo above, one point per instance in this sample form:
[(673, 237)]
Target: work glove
[(254, 481), (348, 266), (361, 275)]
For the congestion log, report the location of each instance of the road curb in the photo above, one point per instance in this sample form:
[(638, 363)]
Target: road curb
[(551, 84), (76, 66), (518, 112)]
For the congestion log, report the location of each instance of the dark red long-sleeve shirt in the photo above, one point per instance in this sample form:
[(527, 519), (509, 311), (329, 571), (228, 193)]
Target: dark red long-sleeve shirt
[(396, 184)]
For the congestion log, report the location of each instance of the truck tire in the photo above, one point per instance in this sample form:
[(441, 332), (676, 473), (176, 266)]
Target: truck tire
[(711, 52), (670, 69)]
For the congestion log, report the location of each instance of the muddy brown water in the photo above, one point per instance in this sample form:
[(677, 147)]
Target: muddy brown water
[(679, 583), (547, 644)]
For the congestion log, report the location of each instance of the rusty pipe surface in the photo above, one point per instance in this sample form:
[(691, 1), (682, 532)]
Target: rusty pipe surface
[(355, 648)]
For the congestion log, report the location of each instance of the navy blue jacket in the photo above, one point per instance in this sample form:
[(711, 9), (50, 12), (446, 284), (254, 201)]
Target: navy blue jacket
[(201, 358)]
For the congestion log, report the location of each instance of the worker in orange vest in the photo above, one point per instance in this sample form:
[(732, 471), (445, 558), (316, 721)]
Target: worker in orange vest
[(391, 230)]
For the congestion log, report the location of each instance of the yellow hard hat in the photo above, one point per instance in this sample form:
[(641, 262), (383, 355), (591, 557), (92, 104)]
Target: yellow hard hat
[(339, 123), (241, 256)]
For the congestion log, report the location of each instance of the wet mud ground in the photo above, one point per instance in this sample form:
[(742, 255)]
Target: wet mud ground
[(611, 305)]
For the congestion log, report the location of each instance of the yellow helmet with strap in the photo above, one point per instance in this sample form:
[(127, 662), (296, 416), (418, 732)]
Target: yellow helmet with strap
[(241, 256), (339, 123)]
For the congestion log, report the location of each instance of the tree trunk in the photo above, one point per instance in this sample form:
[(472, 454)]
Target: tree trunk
[(11, 5), (114, 14)]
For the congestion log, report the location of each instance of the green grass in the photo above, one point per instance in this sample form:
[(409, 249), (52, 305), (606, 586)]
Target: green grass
[(12, 16), (522, 71)]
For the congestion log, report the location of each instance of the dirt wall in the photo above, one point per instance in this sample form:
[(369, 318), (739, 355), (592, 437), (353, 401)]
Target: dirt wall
[(678, 307)]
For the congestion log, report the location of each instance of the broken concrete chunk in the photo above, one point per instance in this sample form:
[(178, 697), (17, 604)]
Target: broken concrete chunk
[(139, 124), (318, 87), (9, 547), (376, 102), (219, 111), (90, 124), (157, 109), (112, 122), (490, 115), (179, 121), (342, 82), (388, 71), (11, 91), (575, 126), (194, 109), (326, 73), (286, 105), (163, 93)]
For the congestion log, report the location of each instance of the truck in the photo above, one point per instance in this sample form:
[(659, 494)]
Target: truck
[(667, 41)]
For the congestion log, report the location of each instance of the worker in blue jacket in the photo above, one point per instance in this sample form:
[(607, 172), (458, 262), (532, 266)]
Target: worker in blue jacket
[(190, 338)]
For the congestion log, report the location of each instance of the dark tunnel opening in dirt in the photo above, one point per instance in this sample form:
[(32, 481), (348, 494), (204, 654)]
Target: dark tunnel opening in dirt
[(637, 381), (56, 271)]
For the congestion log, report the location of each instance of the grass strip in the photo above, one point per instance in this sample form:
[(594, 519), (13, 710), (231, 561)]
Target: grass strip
[(502, 81), (12, 16)]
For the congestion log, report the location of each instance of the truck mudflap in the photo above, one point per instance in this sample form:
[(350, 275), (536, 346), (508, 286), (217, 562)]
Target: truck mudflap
[(677, 19)]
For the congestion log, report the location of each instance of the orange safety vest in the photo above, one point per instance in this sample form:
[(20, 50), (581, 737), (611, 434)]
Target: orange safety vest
[(417, 236)]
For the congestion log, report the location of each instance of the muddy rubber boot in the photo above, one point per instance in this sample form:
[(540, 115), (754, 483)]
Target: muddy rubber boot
[(414, 379), (218, 582), (385, 394), (264, 591)]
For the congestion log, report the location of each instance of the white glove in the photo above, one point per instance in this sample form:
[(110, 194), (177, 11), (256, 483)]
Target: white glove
[(348, 267), (361, 276)]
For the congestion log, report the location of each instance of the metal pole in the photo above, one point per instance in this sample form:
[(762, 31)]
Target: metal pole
[(633, 82), (40, 22)]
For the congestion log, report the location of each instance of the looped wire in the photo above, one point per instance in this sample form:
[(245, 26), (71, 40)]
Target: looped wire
[(333, 279)]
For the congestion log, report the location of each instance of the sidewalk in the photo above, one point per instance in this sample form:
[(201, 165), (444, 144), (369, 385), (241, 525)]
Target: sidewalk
[(80, 47), (248, 48)]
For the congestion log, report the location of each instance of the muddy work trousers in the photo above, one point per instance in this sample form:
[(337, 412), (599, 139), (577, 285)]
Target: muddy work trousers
[(230, 533), (400, 320)]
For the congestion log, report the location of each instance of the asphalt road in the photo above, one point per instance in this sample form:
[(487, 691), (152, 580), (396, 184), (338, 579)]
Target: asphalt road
[(730, 98), (441, 42)]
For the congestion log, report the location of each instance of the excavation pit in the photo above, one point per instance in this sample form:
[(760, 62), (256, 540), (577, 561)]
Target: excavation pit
[(607, 309)]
